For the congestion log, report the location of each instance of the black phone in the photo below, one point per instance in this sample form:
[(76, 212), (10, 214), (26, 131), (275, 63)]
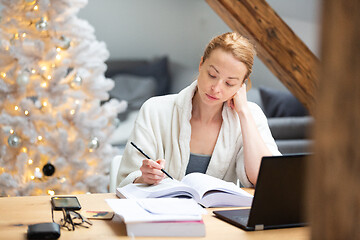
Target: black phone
[(65, 202)]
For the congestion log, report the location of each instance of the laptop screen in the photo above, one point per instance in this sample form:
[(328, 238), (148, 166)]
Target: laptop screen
[(279, 198)]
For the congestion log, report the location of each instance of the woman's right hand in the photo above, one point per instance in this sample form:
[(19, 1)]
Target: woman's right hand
[(151, 171)]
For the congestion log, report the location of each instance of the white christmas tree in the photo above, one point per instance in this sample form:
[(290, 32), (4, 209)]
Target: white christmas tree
[(54, 130)]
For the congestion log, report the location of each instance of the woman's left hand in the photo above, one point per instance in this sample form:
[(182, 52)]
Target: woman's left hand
[(239, 100)]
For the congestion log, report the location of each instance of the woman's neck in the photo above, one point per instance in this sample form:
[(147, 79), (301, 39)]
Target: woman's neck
[(205, 113)]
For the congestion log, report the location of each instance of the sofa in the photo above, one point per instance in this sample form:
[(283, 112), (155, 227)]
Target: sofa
[(137, 80), (289, 122)]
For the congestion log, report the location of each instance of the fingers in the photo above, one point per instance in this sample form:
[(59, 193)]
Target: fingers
[(151, 171), (161, 162)]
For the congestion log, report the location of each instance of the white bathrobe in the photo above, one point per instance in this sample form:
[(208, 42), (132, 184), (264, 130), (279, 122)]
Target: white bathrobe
[(162, 130)]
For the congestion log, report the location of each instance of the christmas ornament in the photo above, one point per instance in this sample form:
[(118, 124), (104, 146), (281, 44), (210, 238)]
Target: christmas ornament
[(41, 25), (48, 169), (76, 81), (64, 43), (94, 143), (23, 78), (14, 141)]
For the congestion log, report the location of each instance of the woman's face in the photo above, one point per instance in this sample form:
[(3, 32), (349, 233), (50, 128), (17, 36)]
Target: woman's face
[(220, 77)]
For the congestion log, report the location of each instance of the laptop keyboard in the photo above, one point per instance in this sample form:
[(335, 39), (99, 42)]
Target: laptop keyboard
[(240, 219)]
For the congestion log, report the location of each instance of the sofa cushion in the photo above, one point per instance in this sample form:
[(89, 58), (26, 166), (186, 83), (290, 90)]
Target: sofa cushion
[(291, 127), (133, 89), (278, 103), (157, 68), (293, 146)]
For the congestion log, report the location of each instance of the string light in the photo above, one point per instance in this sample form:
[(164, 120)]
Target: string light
[(49, 77), (16, 108), (40, 138), (24, 149), (72, 111), (44, 104), (11, 131), (32, 177), (58, 49), (3, 75), (26, 112), (58, 56), (44, 84), (33, 71), (23, 35), (51, 192), (44, 68), (30, 161), (36, 7)]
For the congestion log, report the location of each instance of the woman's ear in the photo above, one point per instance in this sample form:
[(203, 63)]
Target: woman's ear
[(248, 84), (201, 62)]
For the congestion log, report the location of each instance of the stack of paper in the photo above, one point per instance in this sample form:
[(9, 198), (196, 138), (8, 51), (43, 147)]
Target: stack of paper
[(165, 217)]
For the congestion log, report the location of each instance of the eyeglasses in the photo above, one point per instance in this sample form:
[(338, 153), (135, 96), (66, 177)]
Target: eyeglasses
[(71, 219)]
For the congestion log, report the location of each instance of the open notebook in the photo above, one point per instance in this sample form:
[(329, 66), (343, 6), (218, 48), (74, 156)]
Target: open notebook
[(279, 196), (204, 189)]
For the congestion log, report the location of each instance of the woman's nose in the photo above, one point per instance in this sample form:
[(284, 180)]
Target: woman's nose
[(216, 86)]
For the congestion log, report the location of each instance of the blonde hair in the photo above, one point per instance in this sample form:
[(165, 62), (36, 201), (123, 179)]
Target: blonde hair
[(240, 47)]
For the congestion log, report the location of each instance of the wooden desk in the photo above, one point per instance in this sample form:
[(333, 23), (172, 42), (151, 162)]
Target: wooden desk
[(18, 212)]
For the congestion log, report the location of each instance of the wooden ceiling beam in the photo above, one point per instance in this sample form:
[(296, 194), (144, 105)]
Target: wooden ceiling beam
[(278, 47)]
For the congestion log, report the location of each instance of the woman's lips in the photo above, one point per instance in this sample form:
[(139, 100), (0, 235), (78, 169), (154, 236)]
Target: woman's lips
[(211, 97)]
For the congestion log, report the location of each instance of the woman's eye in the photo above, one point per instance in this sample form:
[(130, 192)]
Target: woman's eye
[(228, 84), (212, 76)]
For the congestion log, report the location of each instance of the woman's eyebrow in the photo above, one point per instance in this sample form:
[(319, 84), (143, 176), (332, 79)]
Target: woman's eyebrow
[(214, 68), (235, 78)]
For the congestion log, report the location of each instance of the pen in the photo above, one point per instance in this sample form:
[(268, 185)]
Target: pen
[(149, 158)]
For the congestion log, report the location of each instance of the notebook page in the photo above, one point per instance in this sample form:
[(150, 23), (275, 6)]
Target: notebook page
[(131, 211), (203, 183), (176, 206), (167, 188)]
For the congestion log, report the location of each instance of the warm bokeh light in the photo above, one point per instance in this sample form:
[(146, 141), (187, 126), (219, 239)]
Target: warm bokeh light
[(51, 192)]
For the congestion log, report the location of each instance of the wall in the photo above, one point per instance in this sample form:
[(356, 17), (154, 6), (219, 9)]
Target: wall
[(181, 29)]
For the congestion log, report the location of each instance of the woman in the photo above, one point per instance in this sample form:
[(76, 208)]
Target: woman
[(208, 127)]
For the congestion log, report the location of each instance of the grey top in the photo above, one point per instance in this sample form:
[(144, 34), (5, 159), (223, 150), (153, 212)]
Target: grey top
[(198, 163)]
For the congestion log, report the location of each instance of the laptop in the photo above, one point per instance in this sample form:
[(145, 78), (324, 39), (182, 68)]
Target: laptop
[(279, 198)]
